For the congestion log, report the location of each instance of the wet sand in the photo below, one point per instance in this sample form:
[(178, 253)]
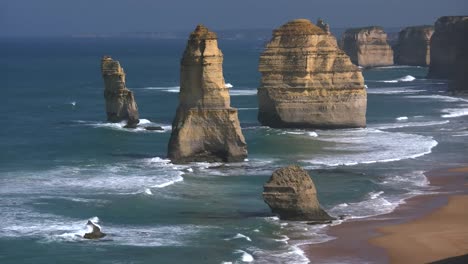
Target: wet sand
[(377, 239)]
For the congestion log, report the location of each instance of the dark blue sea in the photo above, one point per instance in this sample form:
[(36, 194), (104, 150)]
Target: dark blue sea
[(61, 163)]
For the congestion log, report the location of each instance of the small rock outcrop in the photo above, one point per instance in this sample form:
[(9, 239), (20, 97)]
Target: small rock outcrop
[(367, 47), (324, 26), (308, 81), (120, 102), (95, 231), (205, 128), (291, 194), (449, 51), (414, 47)]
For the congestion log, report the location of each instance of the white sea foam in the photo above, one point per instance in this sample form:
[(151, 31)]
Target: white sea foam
[(408, 124), (437, 97), (247, 108), (170, 89), (245, 257), (454, 112), (228, 85), (394, 90), (238, 236), (402, 118), (366, 146), (242, 92), (407, 78), (121, 126)]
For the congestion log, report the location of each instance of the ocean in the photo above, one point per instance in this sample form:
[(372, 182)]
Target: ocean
[(61, 163)]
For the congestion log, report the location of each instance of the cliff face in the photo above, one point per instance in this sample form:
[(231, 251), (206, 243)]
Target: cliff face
[(460, 81), (448, 50), (120, 102), (413, 46), (205, 128), (291, 193), (367, 47), (308, 82)]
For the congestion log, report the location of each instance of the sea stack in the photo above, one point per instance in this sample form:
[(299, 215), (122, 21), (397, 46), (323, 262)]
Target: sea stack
[(95, 231), (308, 82), (449, 51), (367, 47), (120, 102), (291, 194), (205, 128), (414, 46)]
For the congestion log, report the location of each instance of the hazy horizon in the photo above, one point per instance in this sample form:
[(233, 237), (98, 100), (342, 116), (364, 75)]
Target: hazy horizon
[(66, 18)]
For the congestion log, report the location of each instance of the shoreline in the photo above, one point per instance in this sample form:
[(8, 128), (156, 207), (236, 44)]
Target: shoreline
[(352, 243)]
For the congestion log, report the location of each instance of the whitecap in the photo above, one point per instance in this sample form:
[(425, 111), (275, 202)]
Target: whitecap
[(407, 78), (366, 146), (242, 92), (245, 257), (443, 98), (454, 112), (394, 90), (409, 124), (238, 236), (402, 118), (228, 85)]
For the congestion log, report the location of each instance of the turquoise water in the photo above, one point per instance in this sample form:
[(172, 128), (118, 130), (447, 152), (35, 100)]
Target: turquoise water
[(62, 164)]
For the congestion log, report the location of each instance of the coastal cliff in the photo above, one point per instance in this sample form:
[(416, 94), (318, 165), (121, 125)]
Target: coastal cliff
[(308, 82), (449, 52), (205, 128), (120, 102), (291, 193), (367, 47), (414, 47)]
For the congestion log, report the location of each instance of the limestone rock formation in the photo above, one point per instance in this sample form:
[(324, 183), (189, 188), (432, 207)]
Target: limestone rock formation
[(413, 46), (308, 82), (120, 102), (291, 194), (449, 51), (205, 128), (324, 26), (95, 231), (367, 47)]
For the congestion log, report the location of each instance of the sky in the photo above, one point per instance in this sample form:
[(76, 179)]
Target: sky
[(74, 17)]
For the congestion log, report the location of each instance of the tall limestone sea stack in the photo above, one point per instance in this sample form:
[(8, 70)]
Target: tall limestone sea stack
[(414, 47), (308, 82), (449, 52), (367, 47), (120, 102), (205, 128)]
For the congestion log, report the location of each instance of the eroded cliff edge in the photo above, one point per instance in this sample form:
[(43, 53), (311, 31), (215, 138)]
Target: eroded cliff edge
[(205, 128), (414, 46), (367, 47), (120, 102), (308, 81)]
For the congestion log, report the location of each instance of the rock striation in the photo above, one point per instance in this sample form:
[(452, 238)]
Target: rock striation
[(120, 102), (414, 47), (205, 128), (291, 194), (95, 231), (449, 51), (367, 47), (308, 82)]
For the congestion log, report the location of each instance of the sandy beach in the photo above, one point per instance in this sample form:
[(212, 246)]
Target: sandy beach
[(425, 229)]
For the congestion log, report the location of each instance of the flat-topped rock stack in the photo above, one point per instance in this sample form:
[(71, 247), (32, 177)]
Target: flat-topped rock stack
[(449, 52), (120, 102), (414, 46), (205, 128), (367, 47), (308, 81)]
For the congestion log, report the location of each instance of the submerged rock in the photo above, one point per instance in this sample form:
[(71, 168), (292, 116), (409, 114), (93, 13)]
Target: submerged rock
[(205, 128), (449, 52), (413, 46), (120, 102), (95, 231), (308, 82), (367, 47), (291, 194)]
